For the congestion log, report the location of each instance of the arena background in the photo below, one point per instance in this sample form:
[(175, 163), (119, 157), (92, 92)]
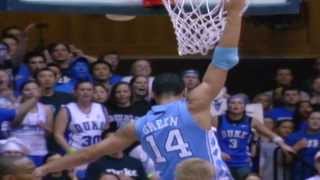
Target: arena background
[(267, 41)]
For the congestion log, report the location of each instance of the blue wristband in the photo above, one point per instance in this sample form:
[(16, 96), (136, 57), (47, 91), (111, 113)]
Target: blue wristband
[(225, 58)]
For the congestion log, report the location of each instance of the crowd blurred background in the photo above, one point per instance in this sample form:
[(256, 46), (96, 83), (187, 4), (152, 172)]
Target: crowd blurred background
[(58, 99)]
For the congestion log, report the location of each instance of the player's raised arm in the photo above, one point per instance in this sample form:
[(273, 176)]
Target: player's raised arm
[(224, 58), (122, 139)]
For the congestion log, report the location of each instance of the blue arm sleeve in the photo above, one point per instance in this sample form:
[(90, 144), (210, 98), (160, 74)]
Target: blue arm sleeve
[(225, 58)]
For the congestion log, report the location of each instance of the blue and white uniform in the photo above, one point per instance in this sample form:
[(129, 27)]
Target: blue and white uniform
[(85, 129), (234, 139), (169, 134)]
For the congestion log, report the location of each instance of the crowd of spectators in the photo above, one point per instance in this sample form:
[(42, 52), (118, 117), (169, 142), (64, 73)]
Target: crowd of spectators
[(59, 100)]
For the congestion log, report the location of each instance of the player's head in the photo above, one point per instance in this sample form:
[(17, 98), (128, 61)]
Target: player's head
[(83, 91), (285, 127), (16, 168), (237, 104), (314, 121), (195, 169), (167, 84)]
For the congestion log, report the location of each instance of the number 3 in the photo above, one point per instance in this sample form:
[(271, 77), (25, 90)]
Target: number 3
[(233, 143), (174, 142)]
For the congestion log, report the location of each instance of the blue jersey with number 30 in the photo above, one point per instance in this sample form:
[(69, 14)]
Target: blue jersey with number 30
[(169, 134)]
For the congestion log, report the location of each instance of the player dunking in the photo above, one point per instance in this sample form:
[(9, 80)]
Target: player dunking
[(176, 129)]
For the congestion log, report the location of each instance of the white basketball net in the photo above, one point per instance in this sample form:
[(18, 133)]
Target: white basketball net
[(198, 24)]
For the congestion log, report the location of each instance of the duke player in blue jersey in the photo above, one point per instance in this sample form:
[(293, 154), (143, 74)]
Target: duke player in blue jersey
[(234, 133), (177, 128)]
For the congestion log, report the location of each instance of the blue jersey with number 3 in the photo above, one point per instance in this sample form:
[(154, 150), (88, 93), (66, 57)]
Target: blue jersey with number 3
[(169, 134), (234, 138)]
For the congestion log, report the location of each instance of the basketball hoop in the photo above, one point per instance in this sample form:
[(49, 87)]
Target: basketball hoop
[(198, 24)]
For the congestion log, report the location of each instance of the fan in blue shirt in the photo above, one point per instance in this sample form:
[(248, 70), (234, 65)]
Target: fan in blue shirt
[(306, 142)]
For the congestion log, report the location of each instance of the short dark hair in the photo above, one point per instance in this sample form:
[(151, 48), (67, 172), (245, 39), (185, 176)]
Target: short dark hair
[(279, 123), (26, 83), (78, 83), (41, 70), (100, 62), (32, 55), (168, 83), (52, 46), (291, 88)]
